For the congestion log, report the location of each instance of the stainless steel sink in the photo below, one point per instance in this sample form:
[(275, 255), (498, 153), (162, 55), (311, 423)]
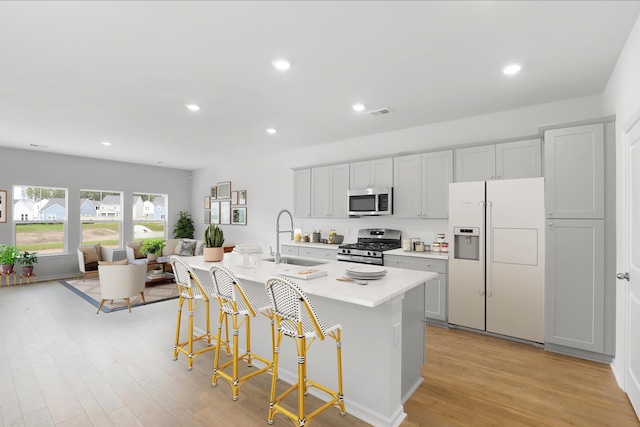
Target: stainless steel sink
[(296, 261)]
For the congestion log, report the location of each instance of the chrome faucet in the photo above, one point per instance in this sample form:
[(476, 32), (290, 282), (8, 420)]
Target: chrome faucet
[(277, 256)]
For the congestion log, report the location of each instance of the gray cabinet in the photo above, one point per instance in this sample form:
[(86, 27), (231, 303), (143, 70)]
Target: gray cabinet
[(574, 171), (329, 254), (435, 299), (574, 284), (437, 174), (508, 160), (371, 173), (329, 185), (421, 185), (302, 193), (580, 239), (288, 250)]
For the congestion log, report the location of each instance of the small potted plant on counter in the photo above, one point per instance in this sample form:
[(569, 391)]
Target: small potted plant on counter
[(27, 260), (8, 257), (213, 240), (152, 248)]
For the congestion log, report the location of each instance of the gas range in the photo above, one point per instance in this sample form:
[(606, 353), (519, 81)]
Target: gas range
[(371, 244)]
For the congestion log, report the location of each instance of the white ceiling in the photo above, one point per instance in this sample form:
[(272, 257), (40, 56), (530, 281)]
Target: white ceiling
[(75, 73)]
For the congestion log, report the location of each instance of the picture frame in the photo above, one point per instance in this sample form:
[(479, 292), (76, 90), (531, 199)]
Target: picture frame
[(239, 216), (225, 212), (215, 213), (224, 190), (3, 206), (207, 217), (242, 197), (207, 202), (234, 197), (213, 192)]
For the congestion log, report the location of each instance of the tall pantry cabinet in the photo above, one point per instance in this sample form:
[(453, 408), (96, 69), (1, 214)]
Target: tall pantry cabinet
[(579, 162)]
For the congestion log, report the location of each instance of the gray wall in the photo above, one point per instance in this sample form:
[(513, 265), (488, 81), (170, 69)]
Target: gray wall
[(34, 168)]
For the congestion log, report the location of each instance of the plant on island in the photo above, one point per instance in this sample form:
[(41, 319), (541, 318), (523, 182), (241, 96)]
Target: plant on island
[(184, 227), (213, 236), (153, 246)]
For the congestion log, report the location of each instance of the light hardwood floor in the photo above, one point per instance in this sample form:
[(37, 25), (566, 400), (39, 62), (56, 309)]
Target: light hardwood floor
[(63, 365)]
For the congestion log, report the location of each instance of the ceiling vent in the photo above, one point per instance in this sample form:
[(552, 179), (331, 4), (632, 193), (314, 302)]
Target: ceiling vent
[(380, 112)]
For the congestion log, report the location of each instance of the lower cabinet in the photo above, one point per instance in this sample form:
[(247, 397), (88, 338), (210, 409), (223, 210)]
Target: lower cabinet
[(435, 294), (329, 253)]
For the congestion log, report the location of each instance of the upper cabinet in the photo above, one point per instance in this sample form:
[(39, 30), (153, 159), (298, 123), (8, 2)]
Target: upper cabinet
[(421, 185), (574, 172), (371, 173), (302, 193), (508, 160), (329, 185)]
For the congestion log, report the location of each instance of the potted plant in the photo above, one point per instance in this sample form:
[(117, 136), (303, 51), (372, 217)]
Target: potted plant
[(27, 260), (184, 227), (152, 248), (213, 240), (8, 257)]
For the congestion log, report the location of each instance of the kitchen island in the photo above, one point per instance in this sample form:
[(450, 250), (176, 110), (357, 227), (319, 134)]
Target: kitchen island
[(383, 338)]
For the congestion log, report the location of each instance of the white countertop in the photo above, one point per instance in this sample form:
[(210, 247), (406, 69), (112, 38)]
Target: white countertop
[(429, 254), (396, 282)]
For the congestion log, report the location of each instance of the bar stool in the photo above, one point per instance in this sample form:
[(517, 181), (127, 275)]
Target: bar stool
[(296, 318), (191, 290), (235, 302)]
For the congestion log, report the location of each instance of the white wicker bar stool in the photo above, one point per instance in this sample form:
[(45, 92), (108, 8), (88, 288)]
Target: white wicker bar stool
[(192, 291), (296, 318), (235, 302)]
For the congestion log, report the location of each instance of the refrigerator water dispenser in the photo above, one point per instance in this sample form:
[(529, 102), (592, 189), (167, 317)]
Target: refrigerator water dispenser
[(467, 243)]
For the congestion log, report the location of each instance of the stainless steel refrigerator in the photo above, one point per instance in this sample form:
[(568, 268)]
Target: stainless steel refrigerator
[(496, 259)]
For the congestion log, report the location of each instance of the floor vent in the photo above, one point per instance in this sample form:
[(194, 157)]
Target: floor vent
[(380, 112)]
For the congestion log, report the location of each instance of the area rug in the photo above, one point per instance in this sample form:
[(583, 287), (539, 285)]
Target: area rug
[(89, 290)]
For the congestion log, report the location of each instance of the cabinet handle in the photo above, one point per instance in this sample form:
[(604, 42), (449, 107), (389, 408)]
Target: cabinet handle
[(499, 176), (397, 262), (550, 213), (550, 224), (624, 276), (491, 177)]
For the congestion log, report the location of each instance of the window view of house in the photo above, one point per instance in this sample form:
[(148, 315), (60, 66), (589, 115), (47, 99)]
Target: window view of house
[(40, 216), (101, 216), (149, 216)]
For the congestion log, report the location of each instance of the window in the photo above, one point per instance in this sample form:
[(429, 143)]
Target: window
[(40, 217), (101, 217), (149, 216)]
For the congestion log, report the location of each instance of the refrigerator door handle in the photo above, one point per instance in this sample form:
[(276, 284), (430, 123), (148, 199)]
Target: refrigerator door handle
[(481, 257), (487, 262)]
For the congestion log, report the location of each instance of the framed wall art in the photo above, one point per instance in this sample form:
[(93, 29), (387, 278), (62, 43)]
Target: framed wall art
[(239, 216), (224, 190), (225, 212), (207, 217), (3, 206), (213, 192), (207, 202), (242, 197), (234, 197), (215, 212)]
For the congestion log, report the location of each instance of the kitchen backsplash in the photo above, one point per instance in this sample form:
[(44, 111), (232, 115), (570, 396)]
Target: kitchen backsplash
[(425, 230)]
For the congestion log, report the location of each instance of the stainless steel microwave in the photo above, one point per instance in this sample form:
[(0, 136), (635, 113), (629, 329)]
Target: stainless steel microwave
[(370, 201)]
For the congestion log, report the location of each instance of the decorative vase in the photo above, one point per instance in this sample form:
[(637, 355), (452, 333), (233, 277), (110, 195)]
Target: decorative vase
[(152, 257), (6, 269), (213, 254)]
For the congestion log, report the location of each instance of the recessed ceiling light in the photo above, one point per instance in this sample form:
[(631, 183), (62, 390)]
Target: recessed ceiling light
[(272, 131), (281, 64), (192, 107), (511, 69), (358, 107), (107, 143)]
